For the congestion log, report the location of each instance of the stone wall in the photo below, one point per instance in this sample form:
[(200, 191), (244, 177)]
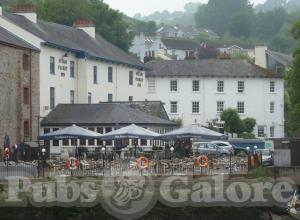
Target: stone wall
[(13, 79)]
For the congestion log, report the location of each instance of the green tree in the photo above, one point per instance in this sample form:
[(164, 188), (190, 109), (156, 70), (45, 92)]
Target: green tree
[(249, 124), (109, 23), (233, 123), (178, 122), (270, 23), (217, 14), (294, 87), (241, 25)]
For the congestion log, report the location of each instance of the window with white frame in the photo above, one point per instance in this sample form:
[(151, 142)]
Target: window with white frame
[(272, 107), (241, 86), (52, 65), (130, 98), (89, 98), (130, 78), (95, 74), (195, 107), (272, 131), (196, 86), (261, 131), (220, 106), (241, 107), (72, 96), (151, 85), (173, 85), (109, 97), (173, 107), (272, 86), (72, 69), (220, 86)]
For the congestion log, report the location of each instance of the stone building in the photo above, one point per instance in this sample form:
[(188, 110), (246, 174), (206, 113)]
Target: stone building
[(19, 89)]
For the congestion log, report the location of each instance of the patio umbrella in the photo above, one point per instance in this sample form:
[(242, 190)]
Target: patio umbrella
[(132, 132), (72, 132), (192, 131)]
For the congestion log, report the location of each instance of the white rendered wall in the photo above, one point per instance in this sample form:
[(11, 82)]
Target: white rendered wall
[(257, 98)]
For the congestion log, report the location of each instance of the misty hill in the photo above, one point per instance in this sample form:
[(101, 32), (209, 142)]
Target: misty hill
[(269, 5), (183, 18)]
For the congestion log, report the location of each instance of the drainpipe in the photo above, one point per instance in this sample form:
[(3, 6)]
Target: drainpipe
[(30, 86)]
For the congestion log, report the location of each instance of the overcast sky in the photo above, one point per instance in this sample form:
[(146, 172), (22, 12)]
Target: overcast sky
[(146, 7)]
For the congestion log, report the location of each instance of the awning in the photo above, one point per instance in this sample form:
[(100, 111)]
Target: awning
[(72, 132), (131, 132), (192, 131)]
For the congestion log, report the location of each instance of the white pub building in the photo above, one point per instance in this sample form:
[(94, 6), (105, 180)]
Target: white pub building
[(198, 91), (76, 65)]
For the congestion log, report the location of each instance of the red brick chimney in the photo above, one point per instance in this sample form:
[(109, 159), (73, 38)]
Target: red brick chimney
[(26, 10), (86, 25)]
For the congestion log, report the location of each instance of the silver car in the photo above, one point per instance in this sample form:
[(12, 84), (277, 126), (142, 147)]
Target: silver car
[(209, 149), (224, 145)]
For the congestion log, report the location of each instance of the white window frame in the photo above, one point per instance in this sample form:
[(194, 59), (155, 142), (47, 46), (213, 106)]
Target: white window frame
[(72, 96), (173, 107), (260, 131), (241, 107), (195, 87), (220, 86), (272, 131), (151, 85), (272, 87), (90, 98), (241, 86), (195, 107), (272, 107), (219, 110), (173, 85)]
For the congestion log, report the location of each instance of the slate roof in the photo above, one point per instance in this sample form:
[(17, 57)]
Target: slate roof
[(100, 114), (208, 68), (75, 40), (154, 108), (284, 59), (12, 40), (179, 44)]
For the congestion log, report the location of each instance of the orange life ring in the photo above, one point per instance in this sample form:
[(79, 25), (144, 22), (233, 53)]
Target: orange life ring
[(202, 161), (142, 163), (72, 163)]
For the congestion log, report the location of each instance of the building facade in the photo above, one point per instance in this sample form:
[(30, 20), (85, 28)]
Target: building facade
[(198, 91), (19, 89), (167, 48), (76, 65), (103, 118), (272, 60)]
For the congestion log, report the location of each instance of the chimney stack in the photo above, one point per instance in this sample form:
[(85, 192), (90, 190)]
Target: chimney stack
[(26, 10), (260, 55), (87, 26)]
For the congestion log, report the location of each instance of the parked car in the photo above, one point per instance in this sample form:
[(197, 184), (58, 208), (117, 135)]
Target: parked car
[(294, 205), (224, 145), (208, 148), (267, 158)]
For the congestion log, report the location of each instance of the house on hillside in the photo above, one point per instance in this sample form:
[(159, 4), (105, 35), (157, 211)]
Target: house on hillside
[(272, 60), (236, 50), (198, 91), (148, 48)]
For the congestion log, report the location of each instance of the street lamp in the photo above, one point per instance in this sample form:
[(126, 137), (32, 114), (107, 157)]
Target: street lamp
[(249, 160), (172, 150), (43, 160), (103, 152)]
